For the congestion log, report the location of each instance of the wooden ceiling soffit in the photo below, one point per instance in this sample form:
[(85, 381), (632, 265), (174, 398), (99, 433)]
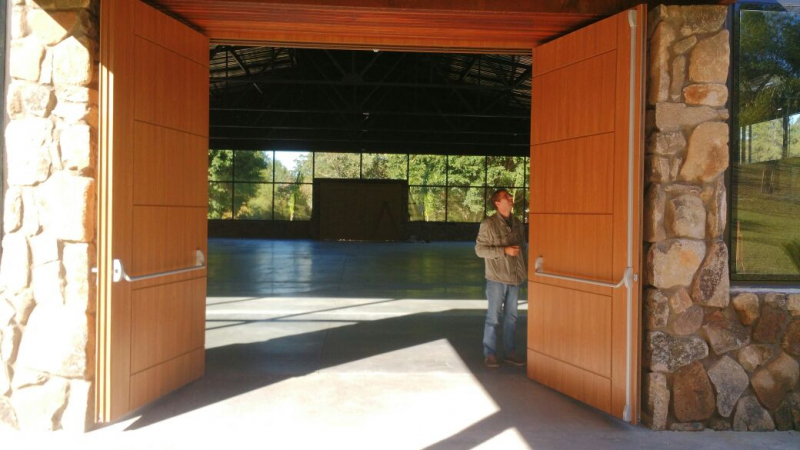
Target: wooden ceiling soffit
[(303, 26)]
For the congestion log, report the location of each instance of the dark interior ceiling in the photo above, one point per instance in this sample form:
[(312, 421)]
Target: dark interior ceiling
[(266, 98)]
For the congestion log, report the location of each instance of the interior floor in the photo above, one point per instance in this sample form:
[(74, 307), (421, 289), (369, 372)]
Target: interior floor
[(365, 345)]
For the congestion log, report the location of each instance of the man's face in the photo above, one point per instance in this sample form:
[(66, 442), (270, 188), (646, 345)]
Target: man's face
[(504, 203)]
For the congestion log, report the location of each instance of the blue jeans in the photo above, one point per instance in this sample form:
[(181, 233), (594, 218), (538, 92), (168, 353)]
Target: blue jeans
[(503, 297)]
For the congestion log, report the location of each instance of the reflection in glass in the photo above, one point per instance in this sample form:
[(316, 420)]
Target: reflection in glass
[(251, 165), (293, 167), (427, 170), (220, 196), (337, 165), (765, 236), (384, 166), (466, 171), (465, 204), (252, 201), (220, 165), (426, 203), (293, 201)]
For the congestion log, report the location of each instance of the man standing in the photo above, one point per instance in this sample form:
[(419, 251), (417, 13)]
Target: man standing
[(501, 243)]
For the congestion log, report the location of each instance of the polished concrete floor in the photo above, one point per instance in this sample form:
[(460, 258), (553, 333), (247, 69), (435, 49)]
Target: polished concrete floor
[(373, 346)]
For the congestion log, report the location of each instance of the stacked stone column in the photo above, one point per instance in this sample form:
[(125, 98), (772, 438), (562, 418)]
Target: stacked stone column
[(47, 291), (698, 353)]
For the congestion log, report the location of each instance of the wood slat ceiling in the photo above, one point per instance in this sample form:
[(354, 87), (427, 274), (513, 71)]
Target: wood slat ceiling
[(499, 26)]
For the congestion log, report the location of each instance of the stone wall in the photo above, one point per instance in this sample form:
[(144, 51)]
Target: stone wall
[(47, 291), (710, 361)]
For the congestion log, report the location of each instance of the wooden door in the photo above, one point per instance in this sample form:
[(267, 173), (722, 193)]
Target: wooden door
[(583, 339), (153, 201)]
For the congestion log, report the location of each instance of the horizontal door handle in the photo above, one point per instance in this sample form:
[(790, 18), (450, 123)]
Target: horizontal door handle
[(119, 270), (538, 269)]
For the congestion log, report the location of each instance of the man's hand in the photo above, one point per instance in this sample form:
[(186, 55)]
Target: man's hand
[(511, 250)]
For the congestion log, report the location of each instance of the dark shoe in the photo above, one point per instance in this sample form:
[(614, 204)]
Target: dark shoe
[(514, 359), (491, 361)]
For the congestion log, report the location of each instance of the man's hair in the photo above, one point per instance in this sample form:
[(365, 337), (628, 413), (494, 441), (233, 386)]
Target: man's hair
[(496, 197)]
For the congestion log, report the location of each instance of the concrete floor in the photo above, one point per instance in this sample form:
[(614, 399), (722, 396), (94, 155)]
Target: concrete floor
[(378, 346)]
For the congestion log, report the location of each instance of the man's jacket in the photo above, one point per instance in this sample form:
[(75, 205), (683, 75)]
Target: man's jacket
[(494, 236)]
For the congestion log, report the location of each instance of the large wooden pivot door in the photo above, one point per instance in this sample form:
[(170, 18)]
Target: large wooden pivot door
[(153, 201), (586, 115)]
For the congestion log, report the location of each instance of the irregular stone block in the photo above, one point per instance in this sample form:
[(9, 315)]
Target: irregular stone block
[(8, 418), (30, 213), (25, 377), (678, 78), (750, 416), (680, 301), (15, 264), (52, 28), (707, 156), (730, 381), (693, 397), (25, 59), (74, 113), (674, 116), (69, 202), (769, 327), (657, 400), (663, 37), (675, 168), (48, 284), (654, 17), (77, 147), (76, 94), (702, 19), (5, 379), (7, 313), (28, 150), (793, 305), (689, 321), (656, 309), (44, 247), (776, 379), (715, 95), (710, 59), (717, 202), (78, 261), (666, 144), (780, 301), (684, 45), (23, 304), (686, 216), (787, 416), (56, 341), (657, 169), (654, 206), (14, 105), (12, 210), (76, 416), (38, 100), (667, 353), (36, 406), (674, 262), (791, 339), (9, 343), (73, 62), (681, 189), (747, 307), (754, 356), (718, 424), (712, 285), (724, 333)]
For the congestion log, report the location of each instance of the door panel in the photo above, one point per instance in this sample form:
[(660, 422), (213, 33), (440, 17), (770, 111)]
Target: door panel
[(153, 205), (585, 122), (556, 185)]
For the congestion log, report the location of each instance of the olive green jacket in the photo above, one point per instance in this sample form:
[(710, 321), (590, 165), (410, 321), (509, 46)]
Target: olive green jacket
[(495, 234)]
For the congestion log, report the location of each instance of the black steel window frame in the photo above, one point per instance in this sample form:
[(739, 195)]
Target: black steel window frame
[(445, 186), (741, 282)]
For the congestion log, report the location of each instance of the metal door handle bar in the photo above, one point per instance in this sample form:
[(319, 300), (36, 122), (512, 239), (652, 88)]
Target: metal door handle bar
[(626, 277), (119, 271)]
